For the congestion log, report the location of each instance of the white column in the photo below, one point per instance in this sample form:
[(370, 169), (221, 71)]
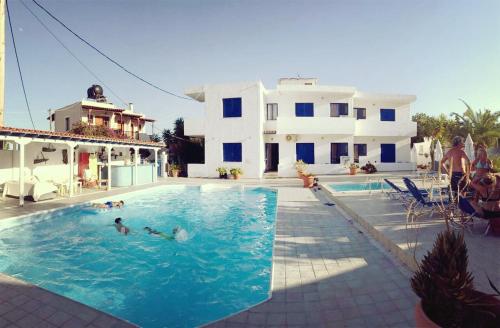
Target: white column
[(21, 173), (71, 150), (108, 150), (155, 171), (136, 162), (163, 163)]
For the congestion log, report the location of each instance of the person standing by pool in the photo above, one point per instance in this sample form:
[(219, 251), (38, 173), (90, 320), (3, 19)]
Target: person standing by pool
[(459, 164), (120, 227), (482, 165)]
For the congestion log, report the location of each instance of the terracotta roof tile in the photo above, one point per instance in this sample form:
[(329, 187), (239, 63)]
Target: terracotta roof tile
[(4, 130)]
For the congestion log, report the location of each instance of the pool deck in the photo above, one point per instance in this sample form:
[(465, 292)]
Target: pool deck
[(327, 270)]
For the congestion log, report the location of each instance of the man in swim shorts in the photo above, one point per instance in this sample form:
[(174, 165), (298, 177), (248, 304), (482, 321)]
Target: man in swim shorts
[(459, 163), (109, 204), (166, 236), (120, 227)]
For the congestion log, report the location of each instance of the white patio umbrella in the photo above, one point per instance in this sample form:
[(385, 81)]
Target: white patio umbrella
[(469, 148), (438, 156), (438, 151)]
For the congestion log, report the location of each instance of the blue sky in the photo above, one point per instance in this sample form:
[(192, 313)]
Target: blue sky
[(437, 50)]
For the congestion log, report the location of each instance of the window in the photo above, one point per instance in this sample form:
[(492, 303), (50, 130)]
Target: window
[(67, 126), (388, 153), (387, 114), (339, 109), (359, 150), (337, 150), (360, 113), (305, 152), (272, 112), (231, 107), (231, 152), (304, 109)]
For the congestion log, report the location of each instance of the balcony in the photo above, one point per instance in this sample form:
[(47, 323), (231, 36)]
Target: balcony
[(194, 127), (315, 125), (373, 128)]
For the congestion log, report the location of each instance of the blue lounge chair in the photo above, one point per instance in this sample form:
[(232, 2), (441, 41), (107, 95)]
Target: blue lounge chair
[(402, 195), (420, 204), (466, 220)]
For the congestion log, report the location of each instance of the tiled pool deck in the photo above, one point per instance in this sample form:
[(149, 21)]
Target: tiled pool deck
[(327, 272)]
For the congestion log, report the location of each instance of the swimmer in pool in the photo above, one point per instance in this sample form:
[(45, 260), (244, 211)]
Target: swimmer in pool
[(120, 227), (109, 204), (166, 236)]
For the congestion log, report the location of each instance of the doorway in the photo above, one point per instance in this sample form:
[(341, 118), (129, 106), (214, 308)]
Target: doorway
[(272, 157)]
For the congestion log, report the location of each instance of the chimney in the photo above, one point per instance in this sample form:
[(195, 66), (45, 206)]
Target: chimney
[(131, 107)]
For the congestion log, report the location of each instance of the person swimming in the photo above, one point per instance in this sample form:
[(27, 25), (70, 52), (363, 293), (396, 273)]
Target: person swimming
[(109, 204), (120, 227), (164, 235)]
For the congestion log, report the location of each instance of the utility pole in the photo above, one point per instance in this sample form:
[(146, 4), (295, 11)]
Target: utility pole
[(2, 60)]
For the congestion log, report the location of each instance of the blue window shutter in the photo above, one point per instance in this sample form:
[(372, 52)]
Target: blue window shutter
[(338, 149), (387, 114), (231, 107), (362, 149), (388, 153), (231, 152), (304, 109), (305, 152)]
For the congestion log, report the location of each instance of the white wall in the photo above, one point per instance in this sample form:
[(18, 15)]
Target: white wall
[(247, 130)]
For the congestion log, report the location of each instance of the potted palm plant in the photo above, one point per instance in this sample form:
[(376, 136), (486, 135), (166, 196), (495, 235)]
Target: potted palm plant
[(175, 169), (300, 166), (445, 287), (236, 173), (222, 172)]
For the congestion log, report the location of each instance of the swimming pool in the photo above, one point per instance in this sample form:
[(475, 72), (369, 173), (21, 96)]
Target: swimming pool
[(366, 186), (223, 267)]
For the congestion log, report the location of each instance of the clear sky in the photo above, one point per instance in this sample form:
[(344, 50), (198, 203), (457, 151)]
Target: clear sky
[(437, 50)]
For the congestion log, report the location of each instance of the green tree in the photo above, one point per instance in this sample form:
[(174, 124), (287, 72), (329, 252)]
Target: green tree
[(483, 126), (183, 149)]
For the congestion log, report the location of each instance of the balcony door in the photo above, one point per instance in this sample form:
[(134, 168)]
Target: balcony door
[(272, 157)]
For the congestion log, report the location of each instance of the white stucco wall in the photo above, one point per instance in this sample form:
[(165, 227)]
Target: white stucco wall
[(322, 130)]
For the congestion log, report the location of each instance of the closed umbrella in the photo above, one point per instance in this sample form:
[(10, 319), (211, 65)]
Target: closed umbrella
[(413, 157), (469, 148), (438, 155)]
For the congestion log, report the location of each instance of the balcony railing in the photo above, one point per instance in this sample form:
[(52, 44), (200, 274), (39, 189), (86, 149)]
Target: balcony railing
[(373, 128)]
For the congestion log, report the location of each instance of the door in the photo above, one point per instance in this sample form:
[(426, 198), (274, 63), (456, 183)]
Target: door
[(388, 153), (272, 157)]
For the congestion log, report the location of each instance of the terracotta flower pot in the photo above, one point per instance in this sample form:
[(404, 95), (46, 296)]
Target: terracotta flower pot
[(353, 170), (236, 176), (308, 181), (421, 319), (300, 174), (175, 173)]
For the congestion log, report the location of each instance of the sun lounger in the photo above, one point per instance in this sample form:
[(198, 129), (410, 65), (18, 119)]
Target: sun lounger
[(466, 220), (420, 204), (38, 190)]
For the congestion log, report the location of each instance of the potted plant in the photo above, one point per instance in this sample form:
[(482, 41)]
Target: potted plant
[(236, 173), (308, 180), (300, 166), (446, 291), (175, 169), (353, 168), (222, 172)]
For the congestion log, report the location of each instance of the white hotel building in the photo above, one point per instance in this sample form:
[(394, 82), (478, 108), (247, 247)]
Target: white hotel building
[(246, 125)]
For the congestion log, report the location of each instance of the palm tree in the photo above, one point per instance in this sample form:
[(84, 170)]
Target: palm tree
[(483, 126)]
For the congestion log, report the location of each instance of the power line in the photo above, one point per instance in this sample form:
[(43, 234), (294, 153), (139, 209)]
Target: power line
[(106, 56), (73, 54), (18, 65)]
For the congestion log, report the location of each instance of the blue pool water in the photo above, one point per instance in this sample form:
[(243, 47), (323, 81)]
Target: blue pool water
[(224, 265), (359, 186)]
